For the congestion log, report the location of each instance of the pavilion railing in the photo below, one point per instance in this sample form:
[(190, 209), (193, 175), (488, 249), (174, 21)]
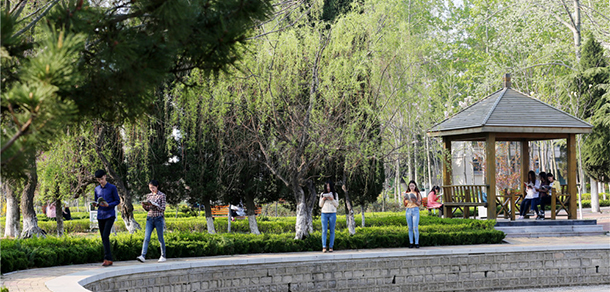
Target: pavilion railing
[(508, 203)]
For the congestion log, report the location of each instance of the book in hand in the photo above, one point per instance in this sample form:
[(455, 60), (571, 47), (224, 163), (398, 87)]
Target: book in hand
[(101, 201), (148, 202), (411, 196)]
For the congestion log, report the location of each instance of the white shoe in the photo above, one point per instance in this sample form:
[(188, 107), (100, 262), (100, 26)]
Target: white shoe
[(520, 217), (162, 259), (141, 259)]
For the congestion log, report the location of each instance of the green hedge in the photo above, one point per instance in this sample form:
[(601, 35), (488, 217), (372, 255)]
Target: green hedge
[(602, 203), (265, 224), (53, 251)]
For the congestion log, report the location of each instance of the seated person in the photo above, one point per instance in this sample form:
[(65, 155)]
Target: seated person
[(66, 213), (51, 211), (433, 200)]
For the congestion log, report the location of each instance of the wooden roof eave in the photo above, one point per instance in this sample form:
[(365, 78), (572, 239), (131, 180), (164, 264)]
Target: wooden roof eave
[(505, 133)]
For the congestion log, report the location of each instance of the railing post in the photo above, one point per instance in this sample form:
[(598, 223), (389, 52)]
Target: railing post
[(553, 204)]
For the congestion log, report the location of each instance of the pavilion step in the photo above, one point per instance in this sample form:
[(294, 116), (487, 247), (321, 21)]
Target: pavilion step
[(547, 222), (552, 230)]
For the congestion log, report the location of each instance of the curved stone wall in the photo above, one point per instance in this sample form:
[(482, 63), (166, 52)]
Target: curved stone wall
[(471, 269)]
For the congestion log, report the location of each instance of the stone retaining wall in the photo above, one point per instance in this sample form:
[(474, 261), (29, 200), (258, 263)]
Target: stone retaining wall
[(460, 272)]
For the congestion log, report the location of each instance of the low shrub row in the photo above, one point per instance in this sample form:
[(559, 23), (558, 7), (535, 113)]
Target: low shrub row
[(602, 203), (265, 224), (53, 251)]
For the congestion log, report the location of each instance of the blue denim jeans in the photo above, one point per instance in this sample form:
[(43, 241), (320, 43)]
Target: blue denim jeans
[(328, 222), (154, 223), (412, 215)]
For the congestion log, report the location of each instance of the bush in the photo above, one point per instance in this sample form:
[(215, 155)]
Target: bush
[(602, 203), (38, 252)]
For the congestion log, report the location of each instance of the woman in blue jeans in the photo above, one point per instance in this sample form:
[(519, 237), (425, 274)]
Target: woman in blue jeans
[(412, 200), (155, 219), (329, 201)]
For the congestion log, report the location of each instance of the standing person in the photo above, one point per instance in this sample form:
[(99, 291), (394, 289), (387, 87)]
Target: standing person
[(412, 200), (106, 198), (329, 201), (155, 219), (531, 194), (433, 200)]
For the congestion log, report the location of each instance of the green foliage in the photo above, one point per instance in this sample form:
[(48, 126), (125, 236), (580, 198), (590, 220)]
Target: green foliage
[(53, 251), (602, 203), (112, 76)]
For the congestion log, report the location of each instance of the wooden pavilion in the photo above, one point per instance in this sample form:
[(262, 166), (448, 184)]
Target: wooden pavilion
[(507, 115)]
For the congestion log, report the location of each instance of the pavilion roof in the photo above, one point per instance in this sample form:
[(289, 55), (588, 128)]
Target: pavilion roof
[(510, 111)]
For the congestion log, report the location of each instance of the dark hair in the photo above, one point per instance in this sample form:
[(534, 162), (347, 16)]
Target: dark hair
[(99, 173), (544, 178), (437, 188), (154, 183), (331, 185), (549, 175), (409, 189), (531, 174)]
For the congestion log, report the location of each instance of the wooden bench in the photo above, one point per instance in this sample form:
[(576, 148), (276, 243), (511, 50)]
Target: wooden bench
[(223, 211), (462, 197)]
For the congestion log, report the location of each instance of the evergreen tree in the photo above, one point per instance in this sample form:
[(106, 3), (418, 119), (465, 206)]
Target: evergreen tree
[(595, 75), (130, 49)]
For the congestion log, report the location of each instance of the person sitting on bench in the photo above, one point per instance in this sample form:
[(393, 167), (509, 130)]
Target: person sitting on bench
[(433, 200)]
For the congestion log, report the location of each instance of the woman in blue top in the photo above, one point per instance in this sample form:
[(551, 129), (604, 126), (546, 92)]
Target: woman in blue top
[(106, 198)]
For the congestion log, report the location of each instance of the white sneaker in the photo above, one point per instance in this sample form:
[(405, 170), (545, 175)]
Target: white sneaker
[(141, 259), (520, 217), (162, 259)]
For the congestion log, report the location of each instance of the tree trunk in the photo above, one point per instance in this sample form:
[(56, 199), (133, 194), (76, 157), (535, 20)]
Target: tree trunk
[(429, 164), (581, 172), (229, 217), (251, 212), (304, 208), (602, 187), (362, 213), (397, 179), (313, 196), (594, 196), (11, 228), (30, 221), (59, 216), (349, 210), (576, 30), (208, 217), (126, 206)]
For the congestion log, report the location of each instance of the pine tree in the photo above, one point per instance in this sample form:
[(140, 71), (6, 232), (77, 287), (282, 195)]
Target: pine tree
[(94, 62)]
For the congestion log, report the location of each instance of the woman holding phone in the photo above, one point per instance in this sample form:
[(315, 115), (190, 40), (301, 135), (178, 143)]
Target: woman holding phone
[(329, 201), (412, 201)]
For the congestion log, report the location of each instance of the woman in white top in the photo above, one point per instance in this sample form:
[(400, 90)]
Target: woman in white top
[(329, 201), (531, 194)]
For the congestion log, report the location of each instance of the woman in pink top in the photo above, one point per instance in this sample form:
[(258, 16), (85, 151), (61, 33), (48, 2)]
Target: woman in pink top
[(433, 198)]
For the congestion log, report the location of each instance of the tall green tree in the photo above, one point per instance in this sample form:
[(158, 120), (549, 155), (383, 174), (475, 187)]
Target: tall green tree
[(86, 61)]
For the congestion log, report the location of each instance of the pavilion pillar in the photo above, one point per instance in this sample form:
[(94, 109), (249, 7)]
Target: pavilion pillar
[(525, 165), (490, 167), (447, 175), (572, 175)]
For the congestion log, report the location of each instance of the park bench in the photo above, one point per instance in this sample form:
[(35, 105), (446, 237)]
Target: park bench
[(462, 197), (223, 211)]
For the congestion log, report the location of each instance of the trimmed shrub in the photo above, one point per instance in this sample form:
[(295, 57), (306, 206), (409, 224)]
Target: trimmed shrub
[(52, 251)]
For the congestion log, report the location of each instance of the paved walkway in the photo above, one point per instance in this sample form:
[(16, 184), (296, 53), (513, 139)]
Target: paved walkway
[(34, 280)]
